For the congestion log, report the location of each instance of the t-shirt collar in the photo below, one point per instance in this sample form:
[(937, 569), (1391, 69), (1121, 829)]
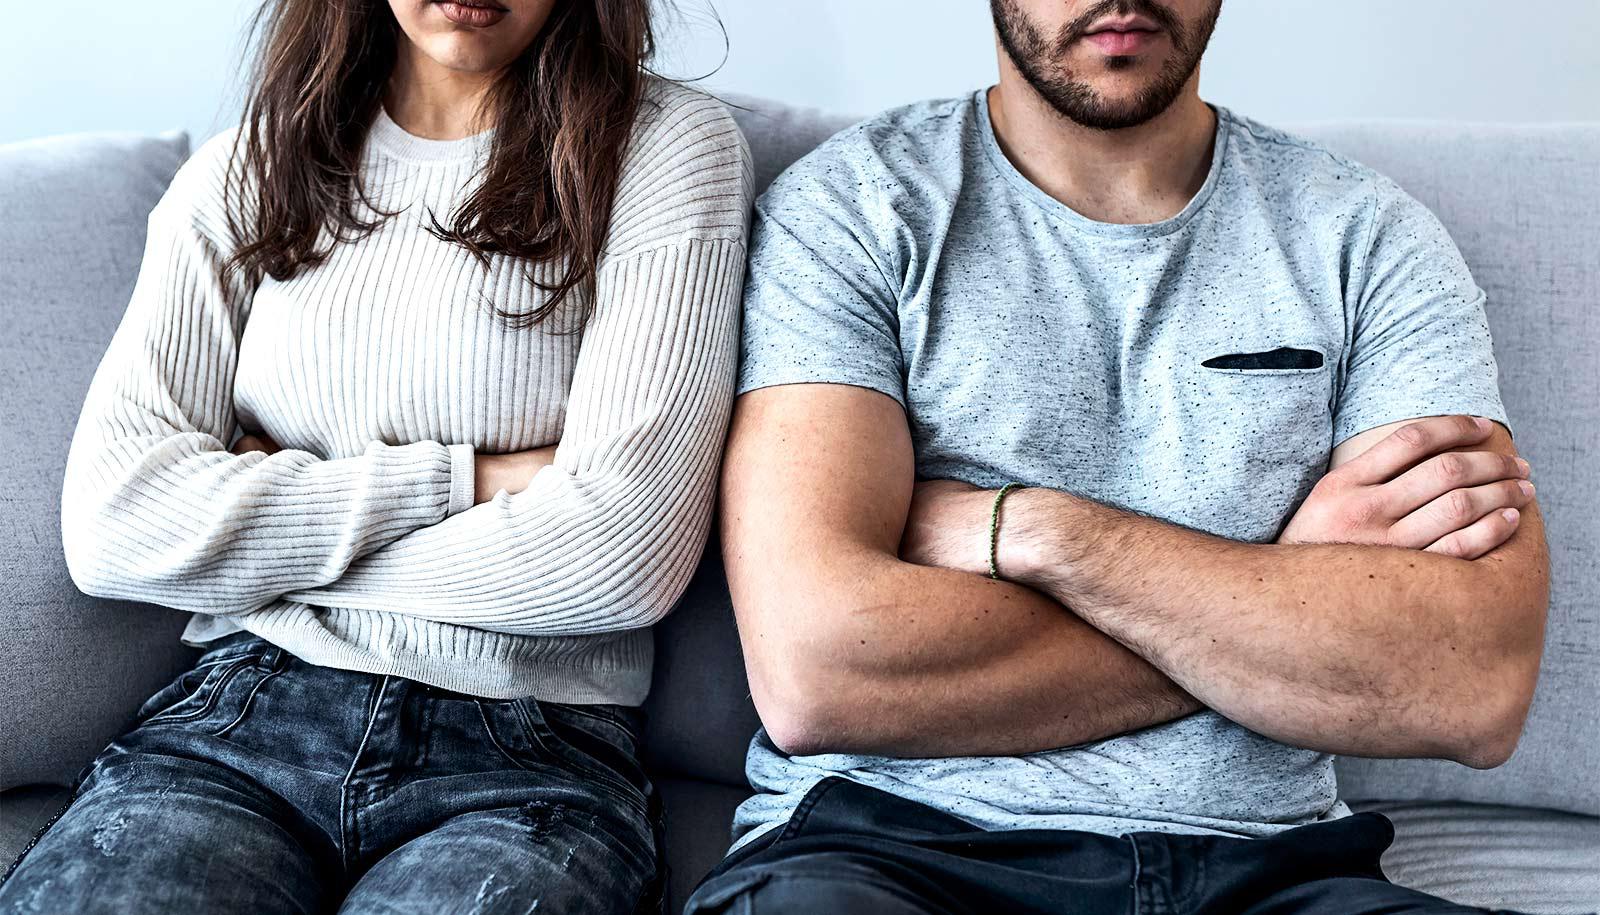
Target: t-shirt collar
[(991, 146)]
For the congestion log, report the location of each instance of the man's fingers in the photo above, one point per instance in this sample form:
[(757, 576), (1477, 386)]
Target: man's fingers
[(1413, 443), (1458, 510), (1444, 473), (1484, 535)]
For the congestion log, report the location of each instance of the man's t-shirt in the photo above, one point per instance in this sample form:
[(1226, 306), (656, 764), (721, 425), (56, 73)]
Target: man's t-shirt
[(1199, 369)]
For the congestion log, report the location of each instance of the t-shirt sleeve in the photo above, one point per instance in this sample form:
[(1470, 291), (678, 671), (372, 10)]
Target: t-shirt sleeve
[(1419, 339), (820, 301)]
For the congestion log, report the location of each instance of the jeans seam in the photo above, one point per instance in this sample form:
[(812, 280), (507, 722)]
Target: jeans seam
[(349, 829), (38, 834), (1138, 871), (217, 677), (244, 709)]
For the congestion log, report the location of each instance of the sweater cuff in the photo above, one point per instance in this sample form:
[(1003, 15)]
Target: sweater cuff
[(463, 479)]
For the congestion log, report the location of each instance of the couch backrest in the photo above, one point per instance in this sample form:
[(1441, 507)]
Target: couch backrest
[(73, 668), (1523, 204)]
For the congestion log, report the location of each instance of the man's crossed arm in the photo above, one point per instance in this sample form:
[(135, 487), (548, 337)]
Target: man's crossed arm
[(856, 642)]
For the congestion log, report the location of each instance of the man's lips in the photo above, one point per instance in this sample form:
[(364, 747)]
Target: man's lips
[(1122, 35)]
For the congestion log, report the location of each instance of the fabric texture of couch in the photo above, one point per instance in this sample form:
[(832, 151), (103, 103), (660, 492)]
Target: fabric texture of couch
[(1523, 203)]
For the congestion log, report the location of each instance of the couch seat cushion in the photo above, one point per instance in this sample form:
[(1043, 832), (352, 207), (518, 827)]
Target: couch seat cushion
[(1537, 861)]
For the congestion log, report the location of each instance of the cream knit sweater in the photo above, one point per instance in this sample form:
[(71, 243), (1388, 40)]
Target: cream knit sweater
[(380, 373)]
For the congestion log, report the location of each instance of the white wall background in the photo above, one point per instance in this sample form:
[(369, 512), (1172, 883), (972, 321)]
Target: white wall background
[(125, 65)]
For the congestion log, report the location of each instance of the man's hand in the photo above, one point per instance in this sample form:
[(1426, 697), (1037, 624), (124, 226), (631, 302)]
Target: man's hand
[(1413, 489)]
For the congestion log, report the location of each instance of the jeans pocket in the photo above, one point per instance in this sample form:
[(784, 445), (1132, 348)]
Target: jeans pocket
[(589, 742), (194, 693)]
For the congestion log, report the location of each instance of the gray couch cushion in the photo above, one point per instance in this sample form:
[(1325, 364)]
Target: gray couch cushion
[(700, 717), (23, 812), (1535, 861), (698, 816), (72, 668)]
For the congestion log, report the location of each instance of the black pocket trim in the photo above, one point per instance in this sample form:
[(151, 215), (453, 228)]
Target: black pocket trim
[(1284, 357)]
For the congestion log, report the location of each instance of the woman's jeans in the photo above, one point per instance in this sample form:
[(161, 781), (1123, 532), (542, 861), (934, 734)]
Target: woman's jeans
[(258, 783)]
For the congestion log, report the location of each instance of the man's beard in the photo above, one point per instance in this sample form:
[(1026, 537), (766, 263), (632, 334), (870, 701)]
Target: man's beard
[(1036, 59)]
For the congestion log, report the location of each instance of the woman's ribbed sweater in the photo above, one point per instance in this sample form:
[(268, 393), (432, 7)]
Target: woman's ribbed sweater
[(380, 373)]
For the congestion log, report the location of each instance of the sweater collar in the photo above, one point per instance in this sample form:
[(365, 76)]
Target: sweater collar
[(396, 142)]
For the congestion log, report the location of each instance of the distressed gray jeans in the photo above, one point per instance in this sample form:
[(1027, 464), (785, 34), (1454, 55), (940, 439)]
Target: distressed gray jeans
[(256, 782)]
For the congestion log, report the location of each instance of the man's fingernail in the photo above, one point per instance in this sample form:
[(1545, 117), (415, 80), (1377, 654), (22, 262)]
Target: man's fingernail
[(1480, 422), (1526, 487), (1524, 466), (1510, 515)]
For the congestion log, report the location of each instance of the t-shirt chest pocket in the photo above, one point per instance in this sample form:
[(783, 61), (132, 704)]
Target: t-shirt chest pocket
[(1265, 404)]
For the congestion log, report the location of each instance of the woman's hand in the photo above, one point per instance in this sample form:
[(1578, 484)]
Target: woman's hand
[(492, 472), (510, 472), (250, 442)]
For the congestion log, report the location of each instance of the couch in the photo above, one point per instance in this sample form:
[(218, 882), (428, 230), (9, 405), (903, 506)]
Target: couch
[(1523, 203)]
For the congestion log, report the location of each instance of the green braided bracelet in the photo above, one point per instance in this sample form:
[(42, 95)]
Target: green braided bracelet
[(994, 527)]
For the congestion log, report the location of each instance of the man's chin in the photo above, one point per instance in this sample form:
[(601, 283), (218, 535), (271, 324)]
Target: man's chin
[(1110, 116)]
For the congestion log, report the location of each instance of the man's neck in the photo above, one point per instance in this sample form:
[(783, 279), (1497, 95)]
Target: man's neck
[(1132, 175)]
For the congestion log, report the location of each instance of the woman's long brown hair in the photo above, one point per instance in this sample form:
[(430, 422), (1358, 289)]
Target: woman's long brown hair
[(562, 113)]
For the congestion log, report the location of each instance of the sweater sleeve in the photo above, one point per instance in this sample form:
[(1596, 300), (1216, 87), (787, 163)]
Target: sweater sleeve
[(606, 538), (155, 508)]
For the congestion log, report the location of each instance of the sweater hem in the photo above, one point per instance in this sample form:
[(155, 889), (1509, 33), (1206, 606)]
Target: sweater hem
[(582, 683)]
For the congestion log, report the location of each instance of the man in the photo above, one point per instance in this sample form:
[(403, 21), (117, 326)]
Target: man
[(1270, 509)]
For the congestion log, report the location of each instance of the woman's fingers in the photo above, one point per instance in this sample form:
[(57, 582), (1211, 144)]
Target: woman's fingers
[(248, 443), (1480, 537)]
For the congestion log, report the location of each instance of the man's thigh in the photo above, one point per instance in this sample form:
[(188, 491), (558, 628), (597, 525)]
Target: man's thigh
[(850, 848), (1327, 868), (1358, 896), (160, 834)]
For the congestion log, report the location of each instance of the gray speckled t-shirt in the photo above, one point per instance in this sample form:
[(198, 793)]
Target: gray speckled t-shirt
[(1028, 342)]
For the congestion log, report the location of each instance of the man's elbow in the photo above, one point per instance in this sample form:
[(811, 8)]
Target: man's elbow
[(805, 708), (1493, 730), (798, 728), (1489, 745)]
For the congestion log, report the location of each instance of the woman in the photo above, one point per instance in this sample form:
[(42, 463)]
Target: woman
[(470, 278)]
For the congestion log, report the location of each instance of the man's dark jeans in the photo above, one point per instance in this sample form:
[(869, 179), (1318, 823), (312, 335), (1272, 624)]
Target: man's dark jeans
[(854, 849), (258, 783)]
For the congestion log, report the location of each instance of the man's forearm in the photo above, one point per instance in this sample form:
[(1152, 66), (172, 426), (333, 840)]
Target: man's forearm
[(1351, 649), (908, 660)]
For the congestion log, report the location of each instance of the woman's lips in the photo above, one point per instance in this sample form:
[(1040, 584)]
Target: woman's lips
[(477, 16), (1120, 44)]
